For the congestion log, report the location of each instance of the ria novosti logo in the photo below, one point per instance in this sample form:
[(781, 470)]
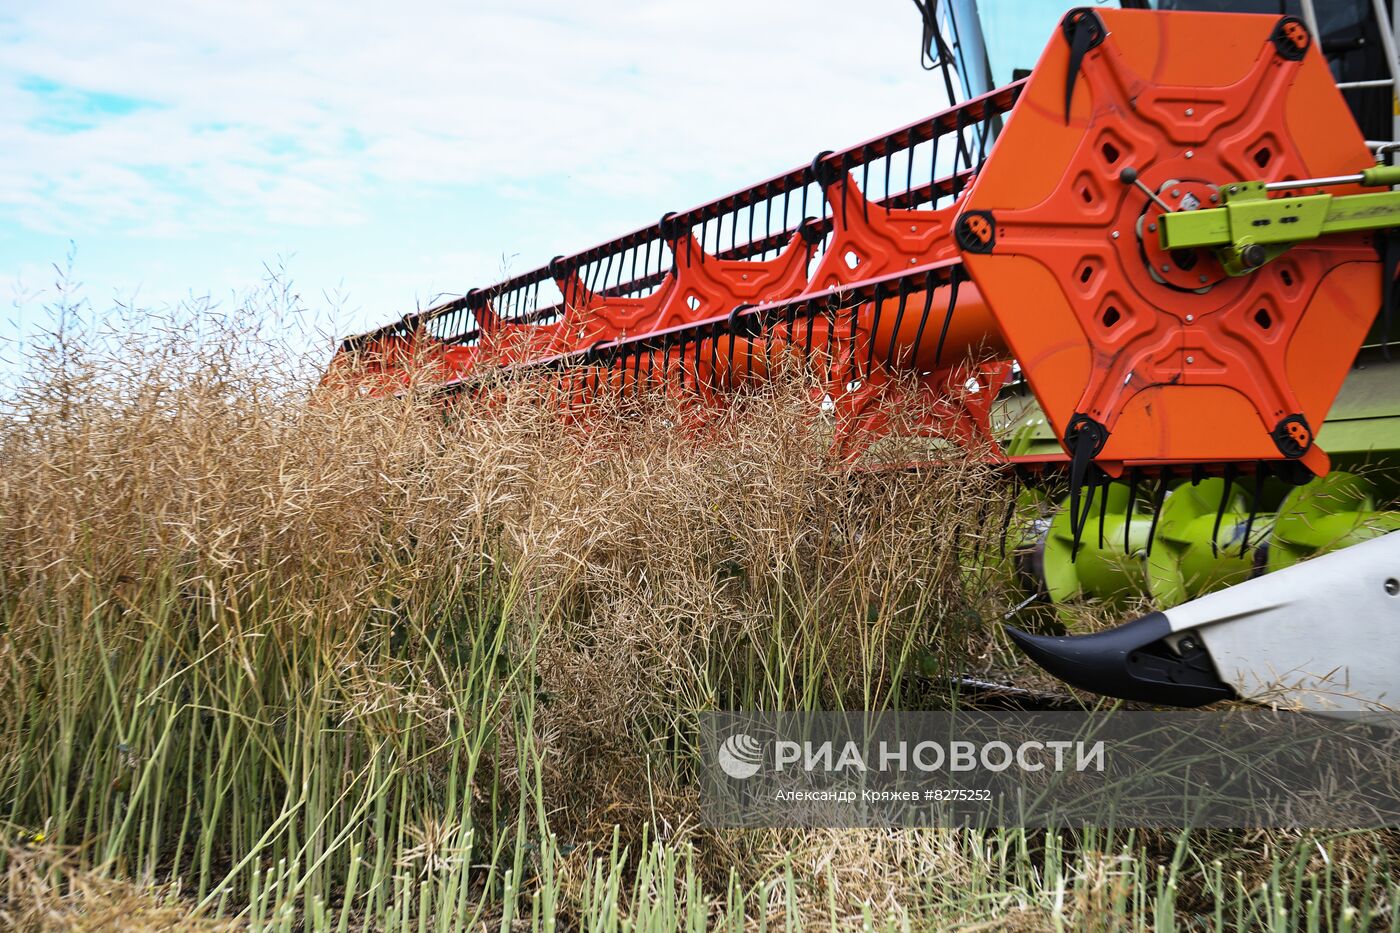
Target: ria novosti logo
[(740, 756)]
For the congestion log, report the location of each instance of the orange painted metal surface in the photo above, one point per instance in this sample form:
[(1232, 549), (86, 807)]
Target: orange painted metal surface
[(1137, 355), (1175, 360)]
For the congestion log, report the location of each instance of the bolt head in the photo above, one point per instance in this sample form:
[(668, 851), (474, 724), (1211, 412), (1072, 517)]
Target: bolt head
[(1176, 192), (1166, 267), (1115, 234), (1151, 228), (1190, 359), (1190, 318), (1190, 111), (1392, 586), (1189, 153)]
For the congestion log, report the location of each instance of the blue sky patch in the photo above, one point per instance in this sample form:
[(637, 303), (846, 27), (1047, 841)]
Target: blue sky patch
[(76, 108)]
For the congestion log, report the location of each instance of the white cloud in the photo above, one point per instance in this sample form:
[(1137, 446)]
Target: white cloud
[(260, 104), (414, 148)]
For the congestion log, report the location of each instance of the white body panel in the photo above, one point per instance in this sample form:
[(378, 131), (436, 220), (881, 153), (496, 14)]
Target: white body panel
[(1322, 635)]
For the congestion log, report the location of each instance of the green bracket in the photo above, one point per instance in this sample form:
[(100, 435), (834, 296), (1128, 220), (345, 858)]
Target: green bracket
[(1250, 228)]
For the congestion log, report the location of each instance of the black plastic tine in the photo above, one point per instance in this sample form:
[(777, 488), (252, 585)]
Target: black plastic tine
[(889, 157), (923, 318), (607, 271), (954, 276), (845, 189), (1163, 479), (1079, 517), (787, 193), (851, 353), (898, 319), (933, 166), (751, 213), (695, 340), (874, 328), (811, 324), (962, 152), (733, 326), (1229, 476), (1254, 505), (767, 219), (865, 189), (680, 372), (909, 172), (714, 356), (1134, 475), (748, 362), (591, 284), (1103, 508), (833, 312), (1080, 455)]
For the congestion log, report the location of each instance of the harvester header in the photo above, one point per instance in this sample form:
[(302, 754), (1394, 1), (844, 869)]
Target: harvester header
[(1049, 248), (1165, 230)]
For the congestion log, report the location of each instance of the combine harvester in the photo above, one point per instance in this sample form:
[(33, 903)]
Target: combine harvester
[(1156, 268)]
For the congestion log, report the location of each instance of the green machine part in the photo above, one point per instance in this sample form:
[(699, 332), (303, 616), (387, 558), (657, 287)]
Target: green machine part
[(1330, 513), (1108, 568), (1202, 543), (1191, 554), (1251, 228)]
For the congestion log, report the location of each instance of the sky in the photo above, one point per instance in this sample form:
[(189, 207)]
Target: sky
[(389, 154)]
